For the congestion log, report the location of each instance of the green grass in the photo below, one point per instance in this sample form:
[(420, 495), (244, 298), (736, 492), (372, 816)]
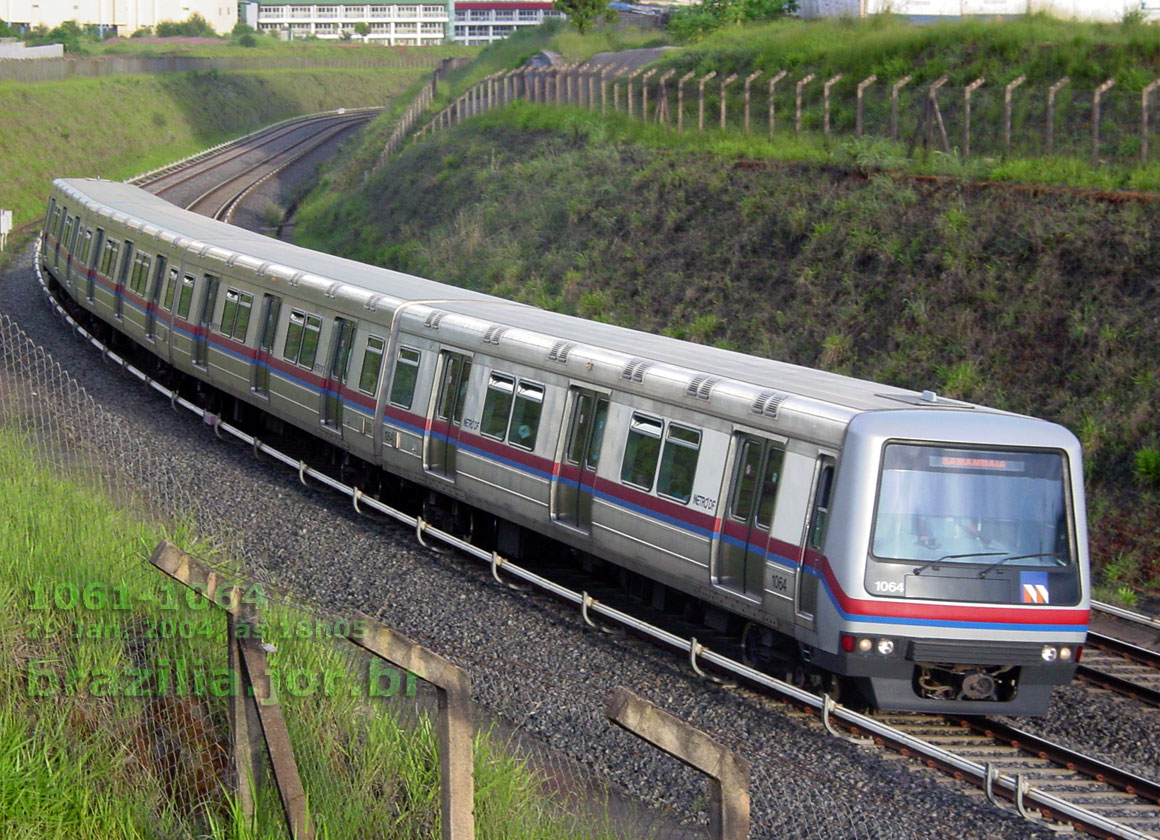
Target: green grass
[(118, 126), (1041, 47), (86, 763)]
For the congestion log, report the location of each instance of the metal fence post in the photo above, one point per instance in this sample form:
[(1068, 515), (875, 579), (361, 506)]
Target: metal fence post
[(603, 90), (1051, 92), (728, 772), (628, 90), (748, 82), (797, 123), (933, 115), (701, 100), (826, 103), (898, 86), (862, 85), (1099, 94), (1145, 95), (681, 99), (967, 91), (781, 74), (728, 80)]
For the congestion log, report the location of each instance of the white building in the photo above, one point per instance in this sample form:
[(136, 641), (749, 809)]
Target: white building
[(1099, 10), (122, 16), (406, 24)]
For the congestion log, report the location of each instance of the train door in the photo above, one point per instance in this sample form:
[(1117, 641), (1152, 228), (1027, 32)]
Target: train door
[(271, 306), (576, 481), (122, 276), (813, 538), (750, 506), (342, 342), (60, 223), (155, 297), (66, 244), (201, 334), (91, 271), (443, 428)]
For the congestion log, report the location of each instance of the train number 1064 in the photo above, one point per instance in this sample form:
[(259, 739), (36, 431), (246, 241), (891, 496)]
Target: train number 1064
[(891, 586)]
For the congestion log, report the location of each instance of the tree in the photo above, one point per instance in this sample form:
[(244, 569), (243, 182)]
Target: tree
[(693, 22), (584, 13), (195, 26)]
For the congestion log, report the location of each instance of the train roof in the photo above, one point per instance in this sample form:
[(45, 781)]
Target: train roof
[(847, 394)]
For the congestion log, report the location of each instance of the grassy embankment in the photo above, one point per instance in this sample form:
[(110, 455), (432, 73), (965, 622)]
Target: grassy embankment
[(1037, 301), (80, 759), (115, 127)]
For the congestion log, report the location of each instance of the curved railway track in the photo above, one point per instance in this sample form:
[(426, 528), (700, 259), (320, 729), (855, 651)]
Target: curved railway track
[(1044, 782)]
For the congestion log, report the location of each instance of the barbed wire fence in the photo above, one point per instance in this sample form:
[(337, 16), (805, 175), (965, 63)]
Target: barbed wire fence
[(359, 735)]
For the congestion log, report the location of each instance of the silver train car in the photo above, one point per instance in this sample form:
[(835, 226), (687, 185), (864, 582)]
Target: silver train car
[(929, 552)]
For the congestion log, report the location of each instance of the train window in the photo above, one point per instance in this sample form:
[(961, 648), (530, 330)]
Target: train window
[(170, 290), (525, 425), (821, 512), (406, 375), (368, 379), (186, 298), (236, 314), (109, 257), (497, 406), (86, 243), (140, 276), (745, 485), (68, 226), (679, 463), (60, 219), (770, 476), (641, 451)]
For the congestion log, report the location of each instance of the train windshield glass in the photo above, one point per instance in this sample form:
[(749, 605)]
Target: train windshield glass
[(972, 506)]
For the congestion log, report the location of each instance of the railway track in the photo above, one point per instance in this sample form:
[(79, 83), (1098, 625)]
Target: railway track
[(1122, 667), (1043, 781)]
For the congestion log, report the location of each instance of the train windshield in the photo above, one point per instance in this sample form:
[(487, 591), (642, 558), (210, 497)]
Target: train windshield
[(972, 506)]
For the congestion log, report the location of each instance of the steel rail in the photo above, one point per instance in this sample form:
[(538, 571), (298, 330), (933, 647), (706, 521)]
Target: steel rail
[(1126, 615), (1114, 682), (1014, 788)]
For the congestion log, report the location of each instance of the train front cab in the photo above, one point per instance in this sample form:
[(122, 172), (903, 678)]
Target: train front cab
[(957, 578)]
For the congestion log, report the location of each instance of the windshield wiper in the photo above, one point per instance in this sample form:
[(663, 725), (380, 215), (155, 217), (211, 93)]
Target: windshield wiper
[(994, 566), (934, 563)]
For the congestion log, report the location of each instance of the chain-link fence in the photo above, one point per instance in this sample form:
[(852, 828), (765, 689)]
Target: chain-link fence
[(1103, 124), (362, 731)]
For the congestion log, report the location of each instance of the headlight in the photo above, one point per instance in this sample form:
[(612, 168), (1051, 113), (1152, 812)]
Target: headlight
[(886, 646), (1065, 653), (865, 645), (1049, 653)]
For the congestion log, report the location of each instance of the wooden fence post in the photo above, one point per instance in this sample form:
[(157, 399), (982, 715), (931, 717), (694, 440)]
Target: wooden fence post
[(894, 90), (862, 85), (797, 123), (663, 96), (728, 80), (967, 91), (1099, 94), (701, 100), (748, 82), (728, 772), (681, 99), (826, 104), (1051, 92), (1007, 91), (644, 94), (1145, 95), (781, 74)]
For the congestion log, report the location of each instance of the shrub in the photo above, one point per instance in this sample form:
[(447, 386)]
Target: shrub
[(195, 26), (1148, 467)]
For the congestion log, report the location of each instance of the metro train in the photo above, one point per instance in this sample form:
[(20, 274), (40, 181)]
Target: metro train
[(928, 553)]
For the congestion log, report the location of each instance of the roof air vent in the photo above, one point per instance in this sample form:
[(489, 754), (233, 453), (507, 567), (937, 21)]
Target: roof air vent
[(560, 350), (434, 318), (634, 370), (372, 303), (493, 334), (701, 386), (768, 403)]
